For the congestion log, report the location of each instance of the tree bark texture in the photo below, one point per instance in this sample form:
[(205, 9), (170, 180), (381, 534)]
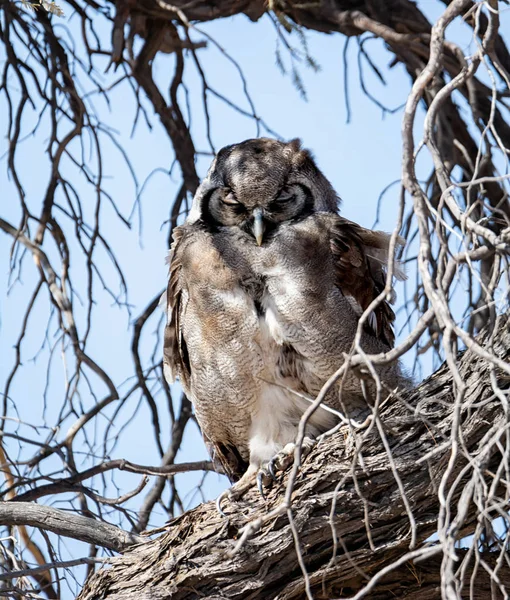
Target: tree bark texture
[(347, 506)]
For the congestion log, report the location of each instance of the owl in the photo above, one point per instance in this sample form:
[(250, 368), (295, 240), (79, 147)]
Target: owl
[(267, 283)]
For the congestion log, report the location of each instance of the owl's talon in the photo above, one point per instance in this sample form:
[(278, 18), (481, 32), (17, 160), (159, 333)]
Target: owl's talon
[(219, 500), (271, 468), (260, 484)]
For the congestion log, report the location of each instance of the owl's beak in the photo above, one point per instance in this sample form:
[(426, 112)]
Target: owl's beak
[(258, 225)]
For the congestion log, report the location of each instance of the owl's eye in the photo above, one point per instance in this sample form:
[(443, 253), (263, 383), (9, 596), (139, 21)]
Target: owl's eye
[(230, 199), (285, 196)]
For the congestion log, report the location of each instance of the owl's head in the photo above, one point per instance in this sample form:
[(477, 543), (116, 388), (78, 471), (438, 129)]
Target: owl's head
[(259, 184)]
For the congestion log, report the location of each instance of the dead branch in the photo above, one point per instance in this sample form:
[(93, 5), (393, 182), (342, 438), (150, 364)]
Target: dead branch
[(69, 484), (67, 524)]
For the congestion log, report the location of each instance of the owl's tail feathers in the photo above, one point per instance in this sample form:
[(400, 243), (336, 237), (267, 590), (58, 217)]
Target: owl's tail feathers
[(377, 250), (377, 247)]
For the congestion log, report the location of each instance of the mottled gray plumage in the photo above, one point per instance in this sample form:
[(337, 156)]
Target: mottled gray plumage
[(266, 286)]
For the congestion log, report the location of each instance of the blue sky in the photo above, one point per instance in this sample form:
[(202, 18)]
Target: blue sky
[(360, 157)]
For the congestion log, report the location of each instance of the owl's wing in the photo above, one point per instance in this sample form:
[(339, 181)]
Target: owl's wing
[(227, 457), (176, 358), (175, 353), (361, 260)]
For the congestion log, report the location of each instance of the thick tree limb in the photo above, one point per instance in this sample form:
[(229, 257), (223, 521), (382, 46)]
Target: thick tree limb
[(347, 509), (67, 524)]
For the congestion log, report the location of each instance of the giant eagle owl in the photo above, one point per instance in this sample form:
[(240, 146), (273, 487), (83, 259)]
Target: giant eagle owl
[(267, 283)]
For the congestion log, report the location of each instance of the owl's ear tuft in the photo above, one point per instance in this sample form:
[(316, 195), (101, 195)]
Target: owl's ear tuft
[(294, 146)]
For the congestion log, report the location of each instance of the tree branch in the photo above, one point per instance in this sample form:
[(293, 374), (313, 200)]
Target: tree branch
[(68, 484), (70, 525)]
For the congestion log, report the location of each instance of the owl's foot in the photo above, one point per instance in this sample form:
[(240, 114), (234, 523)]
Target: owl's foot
[(238, 490), (280, 463), (265, 475)]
